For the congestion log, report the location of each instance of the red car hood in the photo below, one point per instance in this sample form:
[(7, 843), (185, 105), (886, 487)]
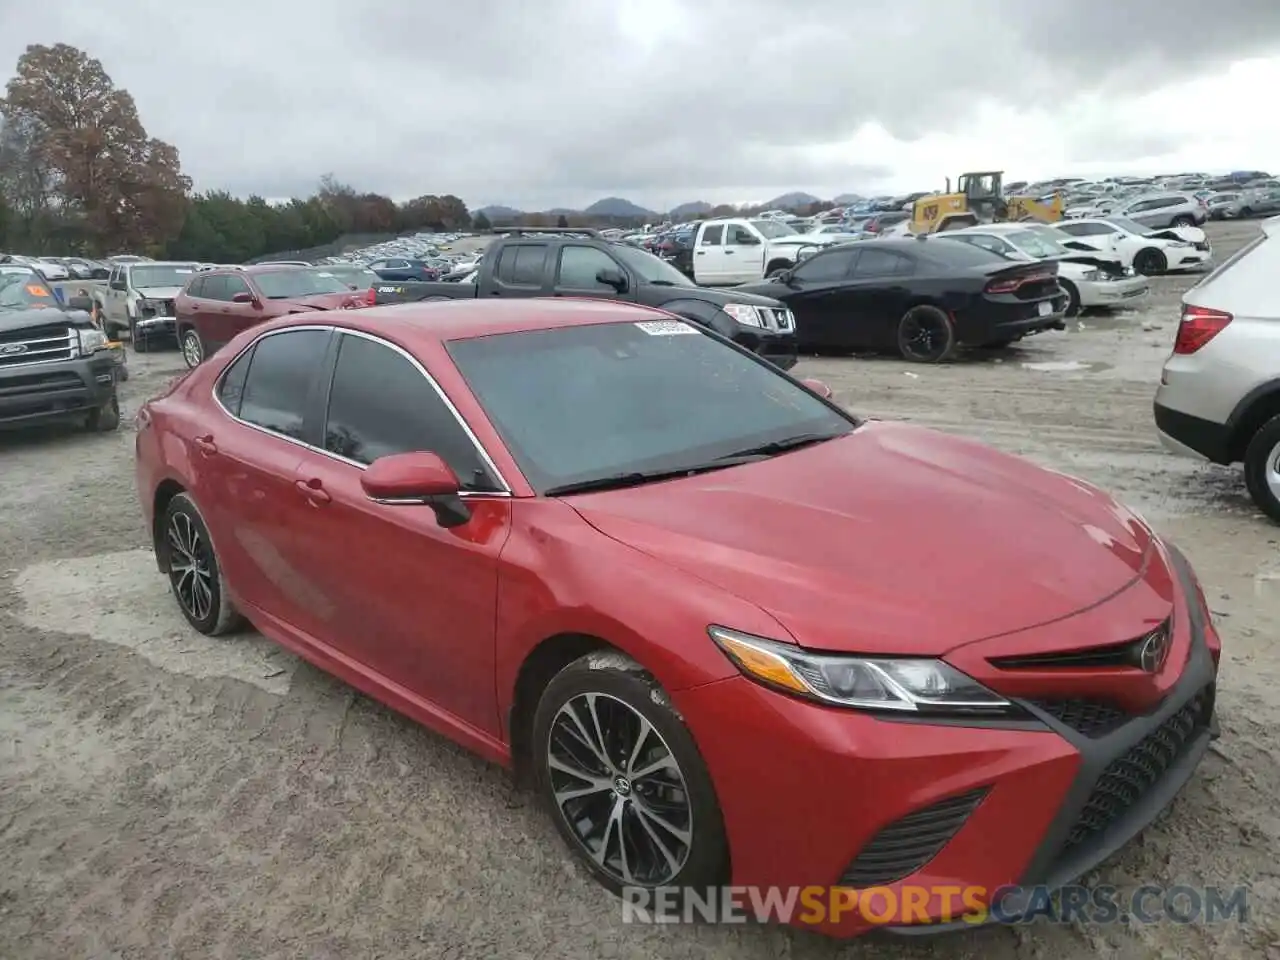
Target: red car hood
[(894, 539)]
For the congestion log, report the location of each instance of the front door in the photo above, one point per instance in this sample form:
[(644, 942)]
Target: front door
[(410, 600), (743, 255), (224, 318), (709, 262), (578, 268), (816, 297)]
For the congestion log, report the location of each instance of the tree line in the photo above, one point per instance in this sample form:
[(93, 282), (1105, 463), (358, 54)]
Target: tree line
[(80, 175)]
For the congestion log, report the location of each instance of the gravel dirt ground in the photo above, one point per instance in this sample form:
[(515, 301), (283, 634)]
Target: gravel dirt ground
[(170, 796)]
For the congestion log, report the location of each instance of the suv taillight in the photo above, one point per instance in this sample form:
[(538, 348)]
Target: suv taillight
[(371, 297), (1199, 325)]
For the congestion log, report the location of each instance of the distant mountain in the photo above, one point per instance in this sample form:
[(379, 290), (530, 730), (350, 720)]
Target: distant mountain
[(792, 201), (498, 213), (561, 212), (696, 208), (845, 198), (616, 207)]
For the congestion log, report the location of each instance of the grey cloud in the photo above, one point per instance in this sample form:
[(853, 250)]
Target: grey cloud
[(561, 101)]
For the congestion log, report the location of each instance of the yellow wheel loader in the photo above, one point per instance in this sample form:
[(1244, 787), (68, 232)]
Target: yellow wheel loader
[(979, 198)]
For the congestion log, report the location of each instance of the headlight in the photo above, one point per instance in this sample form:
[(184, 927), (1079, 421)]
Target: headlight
[(91, 341), (1092, 275), (744, 314), (915, 685)]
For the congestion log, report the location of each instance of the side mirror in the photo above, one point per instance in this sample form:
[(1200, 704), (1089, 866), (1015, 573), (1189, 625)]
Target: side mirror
[(611, 277), (80, 303), (818, 387), (242, 297), (419, 478)]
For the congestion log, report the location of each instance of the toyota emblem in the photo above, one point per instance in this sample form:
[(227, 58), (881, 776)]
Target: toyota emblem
[(12, 349), (1154, 651)]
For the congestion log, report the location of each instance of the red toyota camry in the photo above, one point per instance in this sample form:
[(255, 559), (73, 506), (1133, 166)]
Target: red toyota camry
[(736, 634)]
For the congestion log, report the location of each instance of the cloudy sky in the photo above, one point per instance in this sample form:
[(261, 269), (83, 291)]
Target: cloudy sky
[(560, 102)]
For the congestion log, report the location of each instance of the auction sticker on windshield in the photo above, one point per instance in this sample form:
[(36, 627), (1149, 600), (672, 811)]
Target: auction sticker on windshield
[(665, 328)]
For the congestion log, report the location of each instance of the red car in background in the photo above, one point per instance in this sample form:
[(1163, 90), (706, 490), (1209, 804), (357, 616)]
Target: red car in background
[(216, 305), (736, 634)]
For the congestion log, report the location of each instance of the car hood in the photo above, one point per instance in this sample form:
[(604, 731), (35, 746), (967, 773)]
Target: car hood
[(747, 294), (11, 320), (159, 293), (800, 240), (894, 539)]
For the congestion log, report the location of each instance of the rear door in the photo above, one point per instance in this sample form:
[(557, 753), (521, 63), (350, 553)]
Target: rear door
[(709, 262), (521, 271), (577, 269)]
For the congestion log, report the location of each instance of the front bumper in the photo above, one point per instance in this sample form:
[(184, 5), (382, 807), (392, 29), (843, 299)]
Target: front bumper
[(157, 326), (780, 349), (46, 391), (806, 791), (1113, 293)]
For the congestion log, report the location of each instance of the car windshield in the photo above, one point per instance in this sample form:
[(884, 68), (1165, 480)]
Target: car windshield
[(576, 404), (1038, 244), (649, 268), (773, 229), (161, 275), (23, 289), (358, 276), (285, 284), (1129, 226)]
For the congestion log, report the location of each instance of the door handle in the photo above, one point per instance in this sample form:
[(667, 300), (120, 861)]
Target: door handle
[(702, 253), (313, 490), (206, 445), (728, 253)]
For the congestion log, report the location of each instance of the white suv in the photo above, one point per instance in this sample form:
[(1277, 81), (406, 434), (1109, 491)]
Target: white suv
[(1219, 395)]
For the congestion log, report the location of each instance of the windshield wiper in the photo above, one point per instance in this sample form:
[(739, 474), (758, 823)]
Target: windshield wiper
[(782, 446), (636, 478)]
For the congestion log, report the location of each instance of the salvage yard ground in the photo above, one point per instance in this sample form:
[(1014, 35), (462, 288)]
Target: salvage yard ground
[(168, 795)]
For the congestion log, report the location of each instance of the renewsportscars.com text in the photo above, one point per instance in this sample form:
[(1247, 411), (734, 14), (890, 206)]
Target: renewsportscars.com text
[(908, 905)]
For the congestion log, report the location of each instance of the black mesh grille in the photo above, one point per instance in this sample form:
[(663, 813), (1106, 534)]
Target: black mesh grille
[(1087, 717), (1127, 779), (906, 845)]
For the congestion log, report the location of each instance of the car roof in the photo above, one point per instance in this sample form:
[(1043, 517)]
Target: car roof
[(443, 320)]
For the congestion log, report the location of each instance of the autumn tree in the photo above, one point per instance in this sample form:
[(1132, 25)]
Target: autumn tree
[(85, 137)]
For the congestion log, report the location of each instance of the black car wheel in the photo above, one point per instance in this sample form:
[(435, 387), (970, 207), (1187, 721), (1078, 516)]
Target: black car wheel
[(1246, 212), (139, 340), (925, 335), (1073, 297), (1183, 221), (186, 553), (104, 419), (192, 348), (1262, 468), (1150, 262), (627, 787)]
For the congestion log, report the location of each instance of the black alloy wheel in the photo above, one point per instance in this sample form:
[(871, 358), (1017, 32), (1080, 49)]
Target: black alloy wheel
[(925, 335)]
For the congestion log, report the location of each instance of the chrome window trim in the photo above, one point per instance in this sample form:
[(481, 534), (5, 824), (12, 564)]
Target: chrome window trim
[(457, 416)]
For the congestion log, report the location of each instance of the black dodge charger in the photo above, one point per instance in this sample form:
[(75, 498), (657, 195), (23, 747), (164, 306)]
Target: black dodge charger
[(920, 298)]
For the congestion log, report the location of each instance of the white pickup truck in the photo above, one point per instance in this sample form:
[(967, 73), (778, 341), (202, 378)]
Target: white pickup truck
[(138, 297), (742, 250)]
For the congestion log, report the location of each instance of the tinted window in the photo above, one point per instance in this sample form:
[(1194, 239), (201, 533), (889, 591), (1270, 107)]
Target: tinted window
[(380, 404), (521, 264), (196, 287), (881, 263), (834, 265), (279, 380), (231, 387), (579, 266), (215, 288), (578, 403), (712, 236), (231, 285), (1085, 229)]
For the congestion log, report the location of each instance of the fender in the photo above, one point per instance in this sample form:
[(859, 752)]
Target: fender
[(702, 312), (1262, 392)]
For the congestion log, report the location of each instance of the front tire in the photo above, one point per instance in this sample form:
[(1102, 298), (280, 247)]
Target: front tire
[(1150, 262), (192, 348), (1183, 221), (104, 419), (625, 783), (1262, 468), (1073, 297), (925, 335), (195, 577), (140, 344)]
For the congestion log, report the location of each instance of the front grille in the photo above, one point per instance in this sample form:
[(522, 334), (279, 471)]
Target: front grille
[(1124, 654), (1129, 778), (1087, 717), (47, 343), (158, 308), (777, 319), (906, 845)]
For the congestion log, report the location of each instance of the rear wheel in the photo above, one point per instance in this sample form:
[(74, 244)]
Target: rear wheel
[(1150, 262), (925, 335), (1262, 468), (192, 348), (1183, 221), (186, 552)]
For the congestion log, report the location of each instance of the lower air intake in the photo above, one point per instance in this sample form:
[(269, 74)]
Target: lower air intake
[(906, 845)]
